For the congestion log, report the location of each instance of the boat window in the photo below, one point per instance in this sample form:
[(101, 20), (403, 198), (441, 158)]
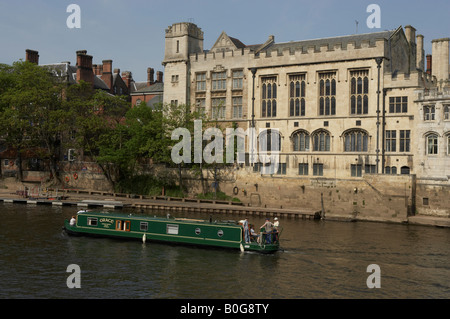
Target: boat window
[(91, 221), (198, 231), (123, 225), (144, 226), (172, 229), (220, 233)]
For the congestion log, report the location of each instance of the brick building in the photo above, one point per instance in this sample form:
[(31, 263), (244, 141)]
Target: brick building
[(149, 92)]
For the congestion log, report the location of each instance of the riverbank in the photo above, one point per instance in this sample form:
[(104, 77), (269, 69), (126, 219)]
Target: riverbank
[(88, 199)]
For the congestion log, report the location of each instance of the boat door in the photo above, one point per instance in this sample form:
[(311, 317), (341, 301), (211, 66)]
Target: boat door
[(123, 225)]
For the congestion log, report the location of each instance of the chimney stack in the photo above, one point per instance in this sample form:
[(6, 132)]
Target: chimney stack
[(98, 69), (440, 52), (84, 67), (107, 76), (159, 76), (126, 77), (410, 33), (32, 56), (420, 53), (429, 61), (150, 76)]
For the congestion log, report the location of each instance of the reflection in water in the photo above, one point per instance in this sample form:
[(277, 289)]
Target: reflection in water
[(319, 260)]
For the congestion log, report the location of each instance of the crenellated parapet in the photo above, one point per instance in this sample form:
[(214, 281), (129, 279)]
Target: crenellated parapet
[(303, 52)]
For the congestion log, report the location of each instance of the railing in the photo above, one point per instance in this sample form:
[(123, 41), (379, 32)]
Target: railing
[(266, 238)]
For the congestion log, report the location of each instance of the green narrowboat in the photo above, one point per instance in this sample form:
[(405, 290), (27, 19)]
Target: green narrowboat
[(223, 234)]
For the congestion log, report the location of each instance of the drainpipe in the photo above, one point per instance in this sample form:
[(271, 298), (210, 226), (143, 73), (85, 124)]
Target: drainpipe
[(252, 124), (378, 61), (253, 70), (383, 132)]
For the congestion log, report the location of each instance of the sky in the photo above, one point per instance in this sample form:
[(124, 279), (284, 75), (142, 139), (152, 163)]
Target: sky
[(131, 32)]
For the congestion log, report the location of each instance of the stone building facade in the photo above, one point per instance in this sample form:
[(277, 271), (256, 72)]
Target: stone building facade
[(342, 108), (432, 133)]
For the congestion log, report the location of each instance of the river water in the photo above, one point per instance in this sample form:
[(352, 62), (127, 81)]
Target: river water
[(320, 259)]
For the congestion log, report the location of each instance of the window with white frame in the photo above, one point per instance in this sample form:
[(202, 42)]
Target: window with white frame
[(429, 112), (218, 108), (448, 144), (446, 112), (219, 81), (200, 106), (238, 76), (432, 144), (237, 107), (200, 80)]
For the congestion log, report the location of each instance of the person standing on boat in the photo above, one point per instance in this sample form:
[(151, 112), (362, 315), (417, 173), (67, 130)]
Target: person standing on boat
[(276, 224), (73, 221), (268, 227), (246, 230)]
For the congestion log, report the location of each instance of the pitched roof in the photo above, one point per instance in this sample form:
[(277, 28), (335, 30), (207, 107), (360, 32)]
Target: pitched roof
[(156, 88), (303, 45), (237, 43), (357, 39), (69, 73)]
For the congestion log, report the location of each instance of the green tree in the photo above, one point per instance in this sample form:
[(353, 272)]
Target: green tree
[(100, 129), (32, 113)]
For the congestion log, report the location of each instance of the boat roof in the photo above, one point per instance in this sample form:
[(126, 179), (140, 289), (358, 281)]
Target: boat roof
[(159, 218)]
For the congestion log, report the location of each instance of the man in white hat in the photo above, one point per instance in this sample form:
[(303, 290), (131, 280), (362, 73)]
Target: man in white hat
[(276, 223)]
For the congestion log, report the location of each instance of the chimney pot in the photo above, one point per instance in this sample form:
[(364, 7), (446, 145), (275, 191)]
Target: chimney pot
[(159, 76), (32, 56), (410, 33), (150, 76), (107, 76), (429, 61), (126, 77), (420, 53), (84, 67)]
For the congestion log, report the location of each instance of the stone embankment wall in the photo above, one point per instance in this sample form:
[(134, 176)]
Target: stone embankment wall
[(371, 197), (433, 197)]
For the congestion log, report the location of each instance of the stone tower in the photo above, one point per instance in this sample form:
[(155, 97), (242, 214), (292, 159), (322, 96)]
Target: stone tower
[(182, 39)]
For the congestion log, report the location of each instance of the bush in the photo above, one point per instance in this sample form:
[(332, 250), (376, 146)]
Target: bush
[(148, 185)]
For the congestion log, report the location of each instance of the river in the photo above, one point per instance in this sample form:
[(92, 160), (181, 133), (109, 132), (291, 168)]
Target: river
[(320, 259)]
